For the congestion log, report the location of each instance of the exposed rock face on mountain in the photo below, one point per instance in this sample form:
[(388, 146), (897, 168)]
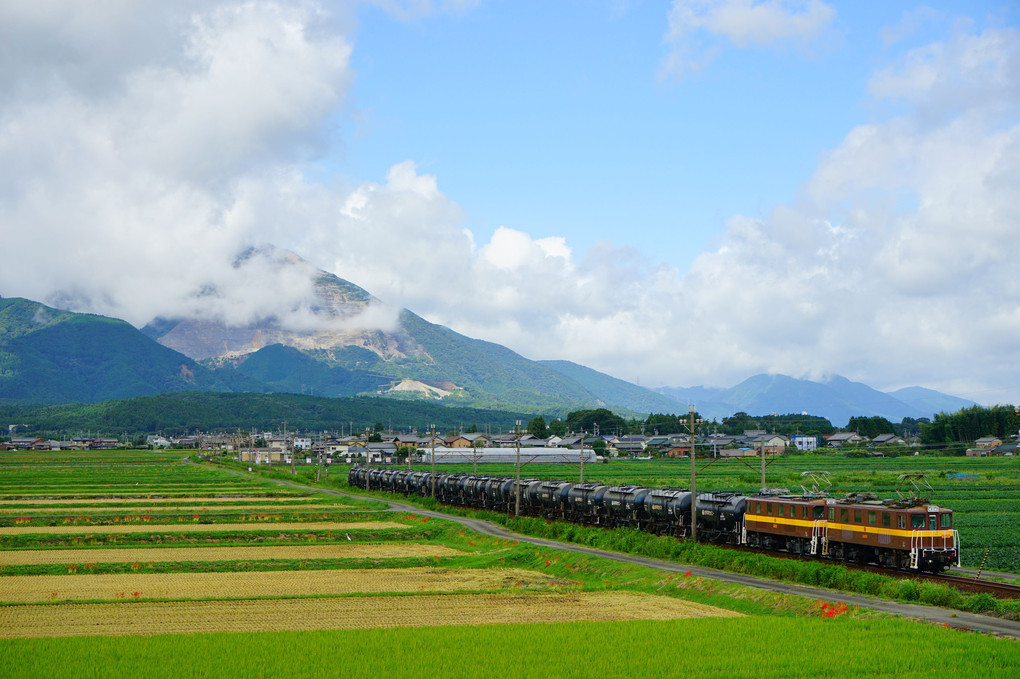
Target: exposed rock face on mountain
[(343, 315)]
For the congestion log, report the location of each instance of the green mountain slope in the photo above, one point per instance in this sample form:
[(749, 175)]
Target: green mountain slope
[(207, 411), (53, 356), (615, 393), (286, 369), (490, 374)]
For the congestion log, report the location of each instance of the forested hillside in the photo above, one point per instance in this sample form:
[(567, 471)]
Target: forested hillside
[(180, 413)]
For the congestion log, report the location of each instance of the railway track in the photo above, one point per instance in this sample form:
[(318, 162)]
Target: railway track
[(1000, 590), (964, 583)]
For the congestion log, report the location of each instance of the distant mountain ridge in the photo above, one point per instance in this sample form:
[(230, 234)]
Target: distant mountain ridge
[(53, 356), (836, 399), (629, 396)]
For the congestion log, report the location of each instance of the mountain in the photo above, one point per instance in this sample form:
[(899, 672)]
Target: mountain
[(278, 368), (349, 344), (931, 401), (53, 356), (623, 395), (182, 412), (406, 358), (836, 399)]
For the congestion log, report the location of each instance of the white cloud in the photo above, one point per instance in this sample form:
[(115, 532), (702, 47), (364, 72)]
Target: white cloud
[(135, 172), (891, 265), (700, 29), (910, 22), (132, 170)]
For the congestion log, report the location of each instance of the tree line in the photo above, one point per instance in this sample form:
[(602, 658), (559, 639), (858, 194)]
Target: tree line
[(188, 412)]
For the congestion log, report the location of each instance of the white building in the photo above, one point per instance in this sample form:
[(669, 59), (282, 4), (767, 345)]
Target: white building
[(805, 443)]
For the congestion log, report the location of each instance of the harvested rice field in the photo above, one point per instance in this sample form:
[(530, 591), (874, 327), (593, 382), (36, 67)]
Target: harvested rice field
[(346, 550), (189, 617), (55, 588), (202, 527)]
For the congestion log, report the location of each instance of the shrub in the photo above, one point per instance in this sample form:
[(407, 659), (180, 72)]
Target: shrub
[(982, 603)]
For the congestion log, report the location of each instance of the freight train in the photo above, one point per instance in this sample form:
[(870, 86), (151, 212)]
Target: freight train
[(903, 533)]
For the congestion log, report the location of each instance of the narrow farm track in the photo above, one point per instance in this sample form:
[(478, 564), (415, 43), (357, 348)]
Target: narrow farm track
[(932, 614)]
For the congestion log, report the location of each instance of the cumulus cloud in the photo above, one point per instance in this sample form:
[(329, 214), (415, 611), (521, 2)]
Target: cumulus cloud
[(890, 265), (130, 172), (137, 171), (700, 29)]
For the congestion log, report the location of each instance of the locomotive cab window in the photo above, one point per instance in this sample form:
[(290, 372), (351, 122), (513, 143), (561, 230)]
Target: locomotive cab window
[(901, 521), (844, 515), (871, 518), (819, 512), (780, 510), (832, 513), (886, 519), (857, 516), (947, 520), (932, 522), (917, 520)]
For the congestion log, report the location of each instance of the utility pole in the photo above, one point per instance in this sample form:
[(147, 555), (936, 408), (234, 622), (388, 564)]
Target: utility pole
[(286, 447), (517, 484), (432, 479), (763, 466), (691, 422), (582, 455)]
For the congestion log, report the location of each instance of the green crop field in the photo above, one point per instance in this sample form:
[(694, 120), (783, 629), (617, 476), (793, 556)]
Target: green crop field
[(142, 565)]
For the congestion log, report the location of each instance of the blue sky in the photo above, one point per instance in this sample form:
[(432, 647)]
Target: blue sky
[(567, 103), (674, 193)]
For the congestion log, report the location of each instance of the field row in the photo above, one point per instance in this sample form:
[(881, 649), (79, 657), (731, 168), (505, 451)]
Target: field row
[(122, 501), (278, 615), (349, 550), (41, 588), (221, 509), (200, 527)]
